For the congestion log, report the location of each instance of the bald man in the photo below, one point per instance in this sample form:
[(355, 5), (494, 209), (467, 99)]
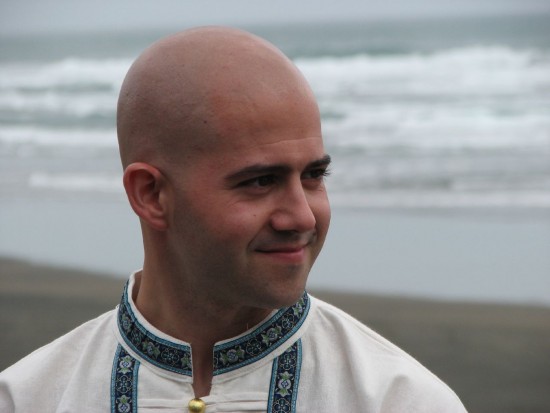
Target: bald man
[(224, 164)]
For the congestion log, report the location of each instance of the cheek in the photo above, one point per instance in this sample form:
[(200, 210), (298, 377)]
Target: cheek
[(233, 223), (245, 220)]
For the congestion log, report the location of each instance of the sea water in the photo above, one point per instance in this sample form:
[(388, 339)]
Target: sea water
[(432, 115)]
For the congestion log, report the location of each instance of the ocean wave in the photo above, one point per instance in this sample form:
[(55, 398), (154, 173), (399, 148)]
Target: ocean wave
[(474, 70), (82, 74), (500, 70), (52, 103), (458, 127), (70, 87), (457, 99), (432, 129), (450, 87)]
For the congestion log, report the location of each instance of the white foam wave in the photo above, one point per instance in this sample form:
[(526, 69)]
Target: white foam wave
[(437, 128), (71, 87), (472, 97), (106, 73), (464, 71), (52, 103)]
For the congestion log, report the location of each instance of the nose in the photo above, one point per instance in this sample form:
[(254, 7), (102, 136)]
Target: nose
[(293, 211)]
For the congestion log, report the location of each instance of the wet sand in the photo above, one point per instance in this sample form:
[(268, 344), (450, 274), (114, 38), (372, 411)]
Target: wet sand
[(496, 357)]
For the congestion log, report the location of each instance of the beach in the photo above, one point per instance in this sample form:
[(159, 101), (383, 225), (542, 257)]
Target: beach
[(439, 184), (494, 356)]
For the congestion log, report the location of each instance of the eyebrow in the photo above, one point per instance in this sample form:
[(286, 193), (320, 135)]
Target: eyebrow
[(267, 169)]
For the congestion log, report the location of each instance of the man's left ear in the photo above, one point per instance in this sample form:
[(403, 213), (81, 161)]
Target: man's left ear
[(145, 187)]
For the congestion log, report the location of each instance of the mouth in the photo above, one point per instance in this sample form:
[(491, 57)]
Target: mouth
[(287, 254)]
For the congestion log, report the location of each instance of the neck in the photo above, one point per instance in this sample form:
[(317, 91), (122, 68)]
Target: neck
[(201, 321)]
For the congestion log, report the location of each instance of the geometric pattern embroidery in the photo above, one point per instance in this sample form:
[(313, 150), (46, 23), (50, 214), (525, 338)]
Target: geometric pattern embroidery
[(283, 390), (262, 341), (285, 376), (163, 353), (124, 382), (227, 356)]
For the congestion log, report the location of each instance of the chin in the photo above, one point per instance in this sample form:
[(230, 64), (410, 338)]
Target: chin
[(287, 297)]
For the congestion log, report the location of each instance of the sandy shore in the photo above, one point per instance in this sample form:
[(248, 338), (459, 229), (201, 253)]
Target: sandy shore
[(496, 357)]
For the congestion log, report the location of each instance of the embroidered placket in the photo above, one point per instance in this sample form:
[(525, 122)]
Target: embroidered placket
[(285, 377), (283, 390), (124, 380), (229, 356)]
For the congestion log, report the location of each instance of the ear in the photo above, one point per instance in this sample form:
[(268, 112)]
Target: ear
[(146, 189)]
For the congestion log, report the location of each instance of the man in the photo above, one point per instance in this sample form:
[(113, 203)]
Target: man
[(224, 164)]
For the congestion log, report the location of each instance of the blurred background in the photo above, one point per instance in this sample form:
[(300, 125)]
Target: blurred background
[(436, 114)]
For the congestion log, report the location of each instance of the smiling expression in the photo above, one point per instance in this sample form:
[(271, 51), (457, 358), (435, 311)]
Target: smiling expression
[(234, 129), (251, 212)]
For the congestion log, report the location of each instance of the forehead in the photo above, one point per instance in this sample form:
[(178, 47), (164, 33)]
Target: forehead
[(263, 123), (266, 132), (262, 115), (293, 153)]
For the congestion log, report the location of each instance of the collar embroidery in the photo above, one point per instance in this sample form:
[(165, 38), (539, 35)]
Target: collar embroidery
[(162, 353), (283, 389), (263, 340), (228, 356)]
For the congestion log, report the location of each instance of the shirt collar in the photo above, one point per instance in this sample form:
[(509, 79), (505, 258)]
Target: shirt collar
[(171, 354)]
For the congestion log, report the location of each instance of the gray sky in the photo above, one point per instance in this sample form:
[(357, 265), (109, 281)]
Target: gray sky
[(70, 15)]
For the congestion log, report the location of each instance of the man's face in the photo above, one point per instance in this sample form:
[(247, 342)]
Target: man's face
[(251, 212)]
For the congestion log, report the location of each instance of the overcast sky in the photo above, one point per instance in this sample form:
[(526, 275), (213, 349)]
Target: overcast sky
[(70, 15)]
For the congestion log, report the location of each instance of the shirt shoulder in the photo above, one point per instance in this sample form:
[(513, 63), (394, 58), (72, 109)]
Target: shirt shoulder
[(382, 374), (40, 379)]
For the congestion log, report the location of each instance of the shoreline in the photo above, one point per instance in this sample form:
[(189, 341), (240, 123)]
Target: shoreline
[(494, 356), (474, 255), (9, 283)]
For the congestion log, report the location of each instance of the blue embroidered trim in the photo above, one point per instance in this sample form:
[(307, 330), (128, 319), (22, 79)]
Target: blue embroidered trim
[(162, 353), (124, 379), (262, 341), (228, 356), (285, 377)]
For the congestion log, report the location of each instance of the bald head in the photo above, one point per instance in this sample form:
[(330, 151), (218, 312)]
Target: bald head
[(220, 138), (189, 90)]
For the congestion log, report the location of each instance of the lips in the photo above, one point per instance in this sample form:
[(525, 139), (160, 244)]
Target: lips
[(289, 249), (290, 254), (282, 249)]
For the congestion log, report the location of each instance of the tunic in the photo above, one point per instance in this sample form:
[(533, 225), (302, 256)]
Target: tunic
[(310, 357)]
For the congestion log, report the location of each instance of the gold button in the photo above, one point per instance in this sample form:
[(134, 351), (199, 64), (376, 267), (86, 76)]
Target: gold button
[(197, 406)]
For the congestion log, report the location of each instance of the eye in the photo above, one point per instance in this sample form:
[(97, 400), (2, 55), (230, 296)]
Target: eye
[(259, 181), (318, 173)]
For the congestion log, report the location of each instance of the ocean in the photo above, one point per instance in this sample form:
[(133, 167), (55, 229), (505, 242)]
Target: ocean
[(418, 115)]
